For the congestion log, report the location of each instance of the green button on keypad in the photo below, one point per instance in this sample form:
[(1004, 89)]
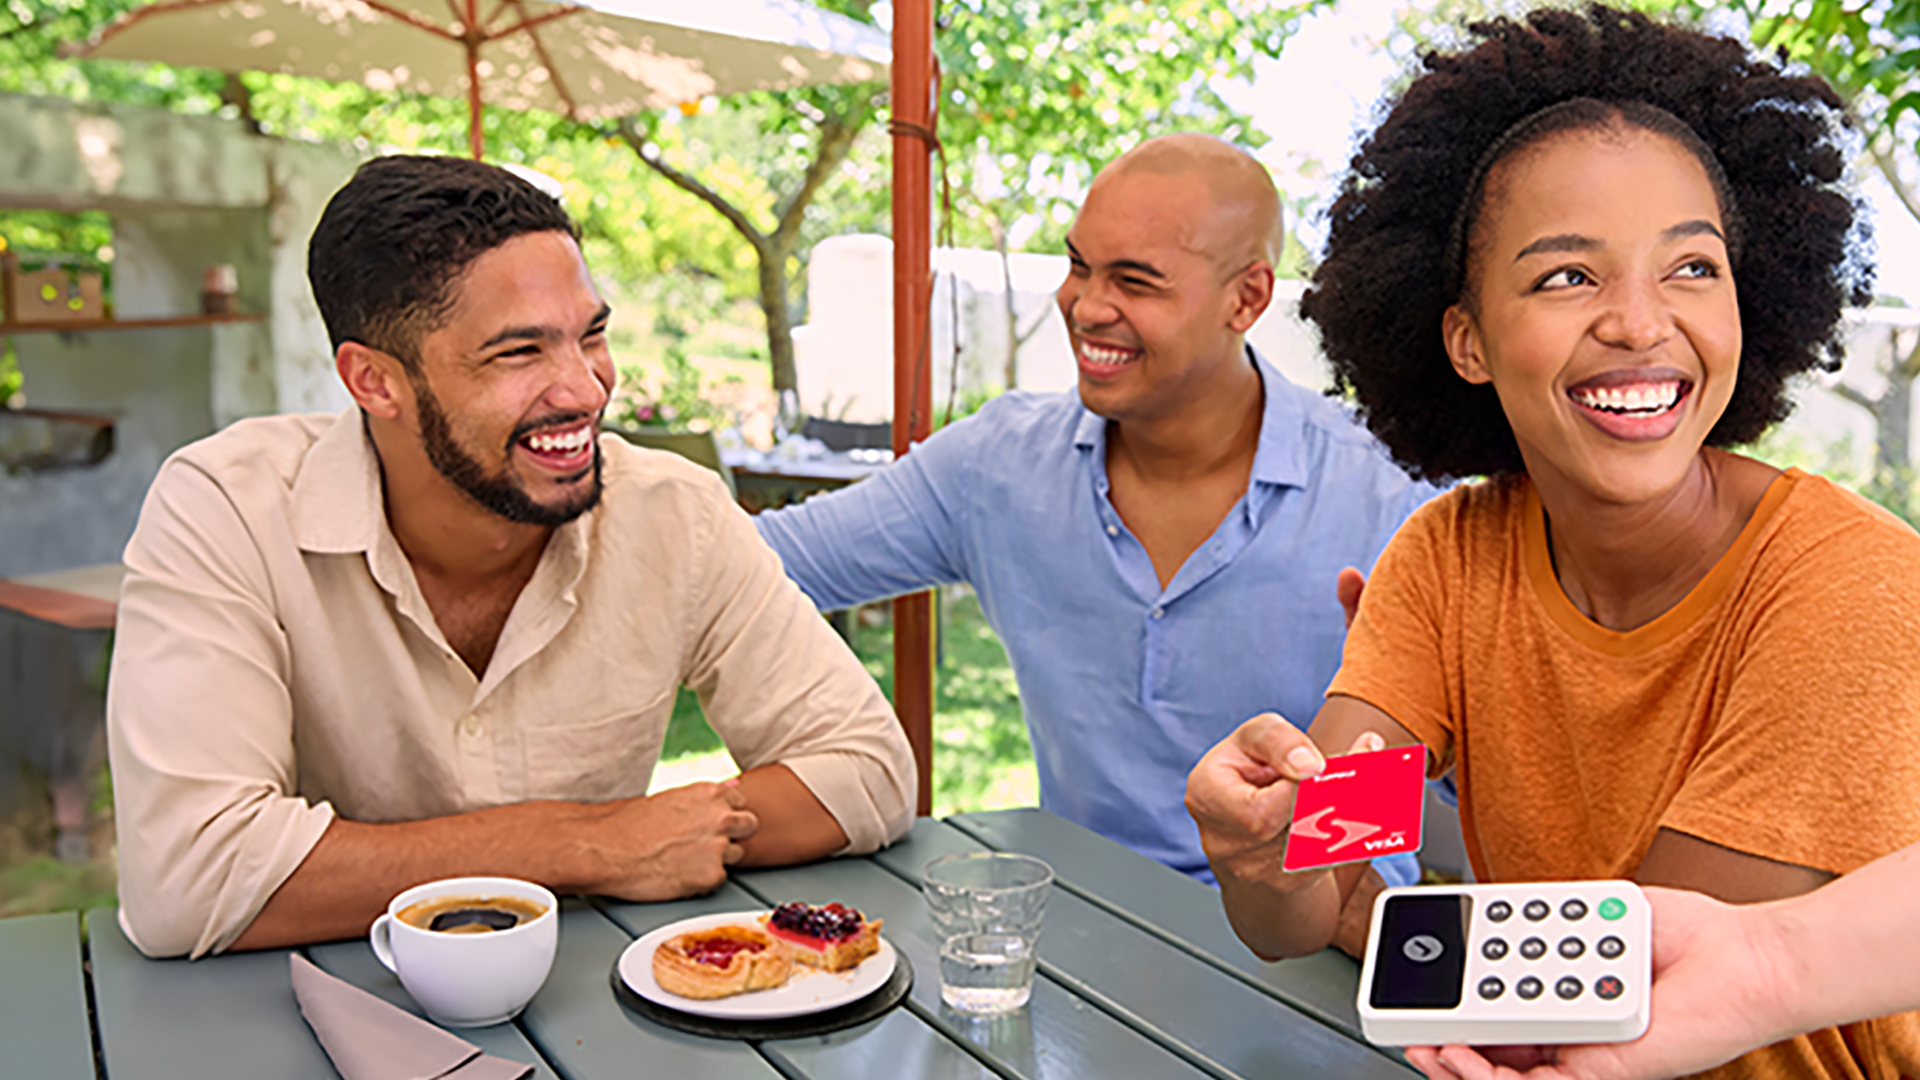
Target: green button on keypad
[(1612, 908)]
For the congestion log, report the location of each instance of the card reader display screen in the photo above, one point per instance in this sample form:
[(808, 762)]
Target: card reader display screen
[(1422, 957)]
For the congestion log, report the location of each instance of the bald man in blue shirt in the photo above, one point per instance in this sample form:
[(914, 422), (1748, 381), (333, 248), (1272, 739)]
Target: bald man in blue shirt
[(1158, 549)]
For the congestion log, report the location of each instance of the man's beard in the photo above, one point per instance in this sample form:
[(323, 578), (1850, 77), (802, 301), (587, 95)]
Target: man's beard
[(502, 494)]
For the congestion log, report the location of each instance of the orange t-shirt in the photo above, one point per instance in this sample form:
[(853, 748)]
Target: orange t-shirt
[(1775, 710)]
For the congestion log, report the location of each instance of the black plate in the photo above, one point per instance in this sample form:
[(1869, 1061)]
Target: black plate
[(871, 1007)]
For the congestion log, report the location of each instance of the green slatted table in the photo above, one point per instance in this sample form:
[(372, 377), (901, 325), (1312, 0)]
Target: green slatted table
[(1138, 977)]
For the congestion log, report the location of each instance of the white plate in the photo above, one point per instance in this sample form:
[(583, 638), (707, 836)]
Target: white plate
[(810, 990)]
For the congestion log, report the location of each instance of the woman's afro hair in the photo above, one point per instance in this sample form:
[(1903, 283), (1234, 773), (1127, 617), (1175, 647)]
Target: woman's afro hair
[(1386, 281)]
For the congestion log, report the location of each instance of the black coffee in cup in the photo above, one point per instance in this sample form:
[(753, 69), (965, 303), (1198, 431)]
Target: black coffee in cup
[(471, 914)]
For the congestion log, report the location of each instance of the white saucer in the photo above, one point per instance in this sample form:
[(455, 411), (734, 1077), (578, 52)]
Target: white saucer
[(809, 991)]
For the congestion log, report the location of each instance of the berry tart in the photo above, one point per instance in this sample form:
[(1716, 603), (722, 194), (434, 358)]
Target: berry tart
[(832, 937), (720, 962)]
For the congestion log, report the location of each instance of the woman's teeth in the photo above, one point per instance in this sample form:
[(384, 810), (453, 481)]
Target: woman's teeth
[(1642, 400), (563, 443)]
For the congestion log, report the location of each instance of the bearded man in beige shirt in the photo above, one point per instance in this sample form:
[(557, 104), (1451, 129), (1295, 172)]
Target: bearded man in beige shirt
[(441, 633)]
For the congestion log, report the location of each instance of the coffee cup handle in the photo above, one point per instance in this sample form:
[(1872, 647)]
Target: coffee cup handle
[(380, 937)]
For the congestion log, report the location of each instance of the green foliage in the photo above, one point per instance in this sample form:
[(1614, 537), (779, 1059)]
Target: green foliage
[(1037, 95), (1870, 51), (674, 396), (10, 379)]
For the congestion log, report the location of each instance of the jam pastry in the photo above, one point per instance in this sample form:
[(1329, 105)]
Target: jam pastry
[(834, 937), (720, 962)]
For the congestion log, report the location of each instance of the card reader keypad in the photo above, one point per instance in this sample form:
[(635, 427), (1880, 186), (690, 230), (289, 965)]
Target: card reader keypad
[(1549, 962)]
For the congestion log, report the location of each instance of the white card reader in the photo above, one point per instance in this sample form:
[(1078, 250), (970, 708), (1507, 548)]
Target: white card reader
[(1496, 965)]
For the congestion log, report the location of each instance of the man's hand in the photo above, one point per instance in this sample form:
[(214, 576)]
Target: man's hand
[(1348, 585), (1710, 978), (673, 844)]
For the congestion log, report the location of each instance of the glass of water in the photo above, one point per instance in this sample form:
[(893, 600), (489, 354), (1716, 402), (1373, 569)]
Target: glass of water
[(987, 909)]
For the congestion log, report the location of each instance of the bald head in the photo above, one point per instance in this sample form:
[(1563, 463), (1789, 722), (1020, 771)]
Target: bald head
[(1239, 222)]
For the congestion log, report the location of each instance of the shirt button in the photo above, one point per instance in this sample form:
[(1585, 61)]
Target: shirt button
[(473, 724), (1113, 530), (1157, 612)]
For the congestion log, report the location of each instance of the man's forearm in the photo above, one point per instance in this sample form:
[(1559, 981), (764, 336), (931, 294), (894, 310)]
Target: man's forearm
[(347, 879), (795, 826)]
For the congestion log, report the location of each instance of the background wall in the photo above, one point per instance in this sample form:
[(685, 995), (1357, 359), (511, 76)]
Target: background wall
[(185, 193)]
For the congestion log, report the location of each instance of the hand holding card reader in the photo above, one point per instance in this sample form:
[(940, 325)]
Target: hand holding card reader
[(1498, 965)]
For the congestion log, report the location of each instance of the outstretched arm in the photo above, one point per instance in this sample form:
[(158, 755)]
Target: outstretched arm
[(1729, 979)]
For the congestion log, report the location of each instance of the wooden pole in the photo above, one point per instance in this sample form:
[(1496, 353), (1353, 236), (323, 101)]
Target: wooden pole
[(913, 113), (476, 139)]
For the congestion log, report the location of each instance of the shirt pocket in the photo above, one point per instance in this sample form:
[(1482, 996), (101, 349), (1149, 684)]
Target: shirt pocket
[(609, 758)]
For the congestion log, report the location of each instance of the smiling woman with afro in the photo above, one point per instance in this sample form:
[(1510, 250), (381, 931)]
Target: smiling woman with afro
[(1395, 257), (1579, 257)]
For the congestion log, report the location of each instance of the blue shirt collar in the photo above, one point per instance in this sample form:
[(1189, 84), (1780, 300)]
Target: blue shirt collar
[(1278, 460)]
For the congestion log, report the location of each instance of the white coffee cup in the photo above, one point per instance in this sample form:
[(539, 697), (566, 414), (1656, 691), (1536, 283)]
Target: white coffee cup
[(469, 980)]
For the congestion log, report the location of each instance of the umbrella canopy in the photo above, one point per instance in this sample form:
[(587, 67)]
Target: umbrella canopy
[(584, 61)]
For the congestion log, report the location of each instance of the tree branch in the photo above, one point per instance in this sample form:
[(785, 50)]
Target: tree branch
[(1848, 393), (1887, 169), (836, 142), (1909, 369), (630, 135)]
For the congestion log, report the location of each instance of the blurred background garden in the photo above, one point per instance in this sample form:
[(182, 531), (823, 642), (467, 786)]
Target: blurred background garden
[(730, 233)]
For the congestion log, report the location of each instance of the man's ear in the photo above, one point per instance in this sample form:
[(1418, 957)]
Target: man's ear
[(1462, 335), (1251, 291), (375, 379)]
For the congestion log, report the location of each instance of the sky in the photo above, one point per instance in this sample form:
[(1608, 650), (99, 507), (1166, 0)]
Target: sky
[(1331, 75)]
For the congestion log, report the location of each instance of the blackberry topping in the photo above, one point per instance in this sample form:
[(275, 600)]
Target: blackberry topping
[(829, 923)]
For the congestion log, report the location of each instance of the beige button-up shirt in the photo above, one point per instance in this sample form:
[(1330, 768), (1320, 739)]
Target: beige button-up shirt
[(276, 664)]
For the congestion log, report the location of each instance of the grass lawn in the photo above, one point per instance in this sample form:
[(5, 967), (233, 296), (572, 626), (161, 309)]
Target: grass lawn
[(981, 759)]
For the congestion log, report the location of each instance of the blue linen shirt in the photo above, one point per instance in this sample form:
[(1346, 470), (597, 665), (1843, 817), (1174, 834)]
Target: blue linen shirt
[(1124, 684)]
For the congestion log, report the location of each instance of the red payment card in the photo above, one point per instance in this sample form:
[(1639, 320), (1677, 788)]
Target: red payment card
[(1361, 806)]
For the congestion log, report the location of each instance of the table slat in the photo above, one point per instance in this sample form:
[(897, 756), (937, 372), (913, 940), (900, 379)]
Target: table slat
[(579, 1026), (354, 962), (1209, 1016), (231, 1015), (1056, 1035), (43, 999), (1178, 908)]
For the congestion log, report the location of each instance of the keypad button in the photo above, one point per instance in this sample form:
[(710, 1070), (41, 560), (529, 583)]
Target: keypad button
[(1613, 908), (1491, 987), (1494, 949), (1499, 911), (1536, 910), (1528, 988), (1533, 948), (1568, 988), (1608, 987), (1610, 948), (1573, 910), (1571, 948)]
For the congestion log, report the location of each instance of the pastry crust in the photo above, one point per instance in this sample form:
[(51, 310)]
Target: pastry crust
[(761, 962), (836, 955)]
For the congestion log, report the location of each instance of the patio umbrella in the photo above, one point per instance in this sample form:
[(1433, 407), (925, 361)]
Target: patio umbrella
[(584, 61)]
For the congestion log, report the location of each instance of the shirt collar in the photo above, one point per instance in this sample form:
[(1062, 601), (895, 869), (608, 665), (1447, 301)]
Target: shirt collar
[(339, 508), (1279, 459), (338, 500)]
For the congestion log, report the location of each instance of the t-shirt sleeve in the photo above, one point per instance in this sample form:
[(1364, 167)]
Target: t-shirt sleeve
[(1395, 655), (781, 687), (200, 726), (1815, 757)]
